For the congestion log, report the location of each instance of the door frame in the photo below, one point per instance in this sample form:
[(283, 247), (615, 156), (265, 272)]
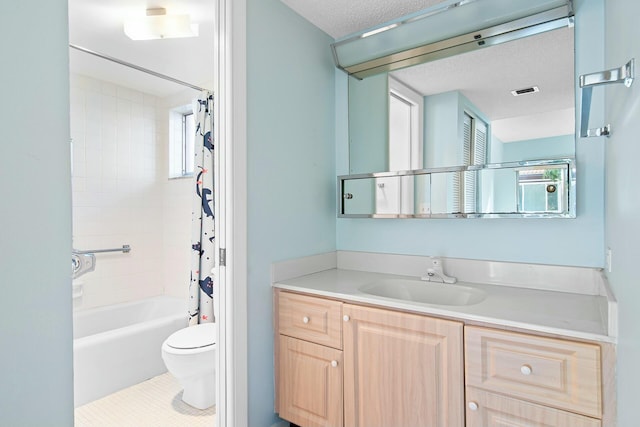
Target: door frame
[(230, 132)]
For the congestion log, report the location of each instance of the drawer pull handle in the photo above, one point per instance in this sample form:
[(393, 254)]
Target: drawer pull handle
[(334, 363), (305, 319), (473, 406), (346, 318), (526, 370)]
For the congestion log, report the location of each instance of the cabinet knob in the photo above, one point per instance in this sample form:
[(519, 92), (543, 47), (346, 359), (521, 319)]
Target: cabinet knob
[(346, 318), (473, 406), (334, 363), (526, 370), (305, 319)]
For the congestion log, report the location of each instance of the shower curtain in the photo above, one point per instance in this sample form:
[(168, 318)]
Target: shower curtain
[(202, 217)]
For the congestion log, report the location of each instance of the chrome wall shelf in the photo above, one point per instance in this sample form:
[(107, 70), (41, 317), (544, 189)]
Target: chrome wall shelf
[(624, 74)]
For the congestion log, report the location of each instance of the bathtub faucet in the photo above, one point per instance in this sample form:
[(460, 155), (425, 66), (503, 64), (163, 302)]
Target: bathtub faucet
[(436, 274)]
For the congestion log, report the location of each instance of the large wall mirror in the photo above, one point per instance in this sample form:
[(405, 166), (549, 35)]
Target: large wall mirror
[(506, 103)]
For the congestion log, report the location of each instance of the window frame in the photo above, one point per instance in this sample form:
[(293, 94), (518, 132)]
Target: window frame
[(179, 152)]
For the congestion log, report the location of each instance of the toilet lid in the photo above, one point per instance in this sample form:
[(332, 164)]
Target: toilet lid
[(196, 336)]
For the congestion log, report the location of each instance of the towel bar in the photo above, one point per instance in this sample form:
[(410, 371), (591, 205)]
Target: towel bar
[(624, 74)]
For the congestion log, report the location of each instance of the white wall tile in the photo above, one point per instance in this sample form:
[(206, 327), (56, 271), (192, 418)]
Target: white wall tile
[(149, 100), (108, 88), (92, 85), (108, 103), (124, 93), (79, 167), (109, 163), (137, 97), (78, 185), (122, 194)]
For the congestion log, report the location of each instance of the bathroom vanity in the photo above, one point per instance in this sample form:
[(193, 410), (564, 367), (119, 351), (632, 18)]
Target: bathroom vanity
[(376, 355), (360, 340), (482, 355)]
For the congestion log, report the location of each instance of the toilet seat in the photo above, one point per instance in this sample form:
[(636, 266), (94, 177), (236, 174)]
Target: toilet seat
[(197, 336)]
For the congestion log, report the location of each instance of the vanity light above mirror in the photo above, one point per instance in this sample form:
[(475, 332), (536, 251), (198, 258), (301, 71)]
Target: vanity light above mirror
[(449, 28)]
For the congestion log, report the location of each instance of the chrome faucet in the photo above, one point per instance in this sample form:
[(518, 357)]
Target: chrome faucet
[(435, 273)]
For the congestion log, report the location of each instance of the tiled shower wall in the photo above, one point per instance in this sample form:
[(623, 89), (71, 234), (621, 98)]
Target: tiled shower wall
[(121, 195), (177, 199)]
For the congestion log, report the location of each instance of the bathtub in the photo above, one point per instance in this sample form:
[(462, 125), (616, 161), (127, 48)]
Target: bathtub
[(120, 345)]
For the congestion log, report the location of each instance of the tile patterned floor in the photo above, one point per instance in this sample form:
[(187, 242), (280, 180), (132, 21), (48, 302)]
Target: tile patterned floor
[(153, 403)]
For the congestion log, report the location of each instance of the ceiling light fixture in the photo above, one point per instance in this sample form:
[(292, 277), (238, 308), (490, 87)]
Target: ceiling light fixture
[(158, 25), (378, 30)]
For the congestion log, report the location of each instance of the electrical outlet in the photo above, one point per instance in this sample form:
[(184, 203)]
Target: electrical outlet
[(608, 260)]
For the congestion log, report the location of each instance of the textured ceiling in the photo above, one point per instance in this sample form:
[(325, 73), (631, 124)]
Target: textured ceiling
[(339, 18)]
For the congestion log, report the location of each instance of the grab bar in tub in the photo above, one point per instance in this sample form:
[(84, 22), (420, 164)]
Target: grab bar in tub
[(124, 249), (83, 262)]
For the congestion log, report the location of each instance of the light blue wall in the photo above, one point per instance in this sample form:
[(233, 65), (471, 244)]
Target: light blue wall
[(541, 148), (291, 168), (369, 129), (443, 128), (554, 241), (441, 136), (622, 223), (35, 215)]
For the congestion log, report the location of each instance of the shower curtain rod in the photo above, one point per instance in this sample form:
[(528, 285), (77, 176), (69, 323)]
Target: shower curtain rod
[(136, 67)]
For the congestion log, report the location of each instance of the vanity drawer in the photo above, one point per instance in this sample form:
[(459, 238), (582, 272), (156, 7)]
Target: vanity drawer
[(485, 409), (308, 318), (554, 372)]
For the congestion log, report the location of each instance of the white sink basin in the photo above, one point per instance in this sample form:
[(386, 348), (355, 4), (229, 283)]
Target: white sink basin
[(424, 292)]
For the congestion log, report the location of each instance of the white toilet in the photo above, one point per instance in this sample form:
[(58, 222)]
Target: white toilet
[(189, 354)]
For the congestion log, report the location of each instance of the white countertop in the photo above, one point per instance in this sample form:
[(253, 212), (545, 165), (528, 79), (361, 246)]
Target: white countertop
[(560, 313)]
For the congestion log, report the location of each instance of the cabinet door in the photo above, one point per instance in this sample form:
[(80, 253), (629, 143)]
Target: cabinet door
[(486, 409), (401, 370), (310, 383), (553, 372)]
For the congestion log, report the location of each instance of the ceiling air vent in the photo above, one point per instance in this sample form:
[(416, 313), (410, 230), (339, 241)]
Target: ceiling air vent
[(525, 91)]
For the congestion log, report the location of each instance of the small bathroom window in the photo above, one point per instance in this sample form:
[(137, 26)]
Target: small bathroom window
[(181, 142)]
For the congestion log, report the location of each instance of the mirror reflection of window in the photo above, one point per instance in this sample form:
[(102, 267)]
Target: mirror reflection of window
[(399, 133), (474, 152), (540, 190), (405, 127), (405, 150)]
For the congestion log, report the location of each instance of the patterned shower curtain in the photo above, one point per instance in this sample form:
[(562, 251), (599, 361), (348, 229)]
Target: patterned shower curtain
[(202, 217)]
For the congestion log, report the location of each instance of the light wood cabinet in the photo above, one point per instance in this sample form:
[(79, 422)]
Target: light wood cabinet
[(395, 369), (309, 362), (342, 364), (543, 381), (401, 370), (313, 319), (485, 409), (310, 383)]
